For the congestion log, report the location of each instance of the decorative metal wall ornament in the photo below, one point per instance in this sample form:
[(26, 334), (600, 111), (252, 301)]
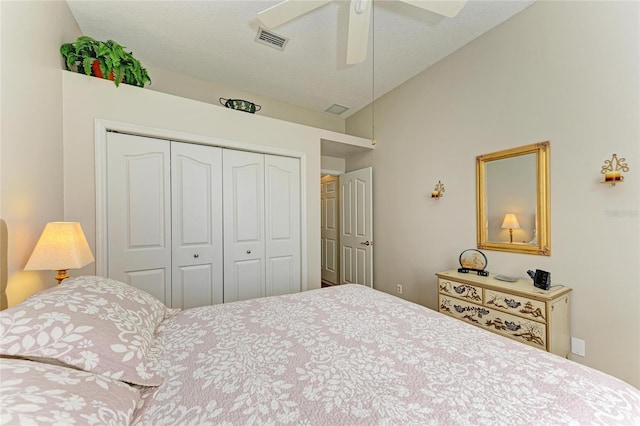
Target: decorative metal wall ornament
[(438, 191), (612, 170)]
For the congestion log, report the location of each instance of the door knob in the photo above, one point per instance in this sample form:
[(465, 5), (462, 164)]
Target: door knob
[(196, 255), (248, 251), (367, 243)]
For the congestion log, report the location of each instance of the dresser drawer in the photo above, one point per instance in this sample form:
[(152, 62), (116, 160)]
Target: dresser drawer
[(521, 329), (521, 306), (460, 290)]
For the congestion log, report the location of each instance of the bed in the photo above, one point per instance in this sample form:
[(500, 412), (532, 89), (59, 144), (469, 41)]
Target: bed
[(97, 351)]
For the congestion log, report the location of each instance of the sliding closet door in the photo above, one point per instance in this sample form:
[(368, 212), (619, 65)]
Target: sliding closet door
[(196, 192), (282, 224), (138, 213), (244, 244)]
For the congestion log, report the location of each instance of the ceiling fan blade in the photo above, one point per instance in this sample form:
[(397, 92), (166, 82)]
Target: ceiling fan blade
[(448, 8), (358, 36), (288, 10)]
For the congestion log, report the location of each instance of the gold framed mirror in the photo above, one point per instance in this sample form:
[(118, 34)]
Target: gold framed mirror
[(513, 212)]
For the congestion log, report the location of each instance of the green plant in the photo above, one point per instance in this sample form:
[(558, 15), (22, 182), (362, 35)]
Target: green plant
[(104, 59)]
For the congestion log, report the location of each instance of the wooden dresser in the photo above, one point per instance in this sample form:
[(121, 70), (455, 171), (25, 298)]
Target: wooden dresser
[(518, 310)]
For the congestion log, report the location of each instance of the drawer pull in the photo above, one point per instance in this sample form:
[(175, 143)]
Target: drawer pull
[(512, 326), (512, 303)]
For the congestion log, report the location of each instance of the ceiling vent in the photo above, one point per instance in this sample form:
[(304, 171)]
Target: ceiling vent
[(271, 39), (336, 109)]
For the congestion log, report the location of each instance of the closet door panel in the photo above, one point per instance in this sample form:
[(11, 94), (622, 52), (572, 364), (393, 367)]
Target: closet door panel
[(282, 218), (138, 213), (196, 181), (193, 288), (247, 202), (243, 206), (249, 279), (281, 276)]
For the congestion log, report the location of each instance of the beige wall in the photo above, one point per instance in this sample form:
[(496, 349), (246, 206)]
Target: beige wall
[(567, 72), (188, 87), (332, 165), (86, 99), (31, 190)]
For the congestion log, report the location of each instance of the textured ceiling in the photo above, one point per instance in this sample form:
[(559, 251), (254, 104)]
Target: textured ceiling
[(215, 40)]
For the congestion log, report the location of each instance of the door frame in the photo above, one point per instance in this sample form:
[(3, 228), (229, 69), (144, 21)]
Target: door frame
[(102, 127)]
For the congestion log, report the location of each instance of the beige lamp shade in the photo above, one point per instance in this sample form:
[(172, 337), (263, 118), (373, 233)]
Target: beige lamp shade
[(510, 221), (61, 246)]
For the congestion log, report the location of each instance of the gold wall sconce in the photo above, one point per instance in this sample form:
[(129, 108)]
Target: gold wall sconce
[(612, 170), (438, 191)]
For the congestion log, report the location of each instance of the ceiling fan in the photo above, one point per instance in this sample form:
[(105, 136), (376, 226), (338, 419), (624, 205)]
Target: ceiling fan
[(359, 18)]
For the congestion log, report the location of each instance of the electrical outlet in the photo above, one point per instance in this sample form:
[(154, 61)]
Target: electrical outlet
[(577, 346), (399, 288)]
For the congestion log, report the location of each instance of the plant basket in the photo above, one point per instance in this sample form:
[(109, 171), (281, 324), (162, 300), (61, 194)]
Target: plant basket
[(104, 60)]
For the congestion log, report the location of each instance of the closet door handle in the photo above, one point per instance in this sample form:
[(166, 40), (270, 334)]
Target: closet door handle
[(196, 255), (248, 251)]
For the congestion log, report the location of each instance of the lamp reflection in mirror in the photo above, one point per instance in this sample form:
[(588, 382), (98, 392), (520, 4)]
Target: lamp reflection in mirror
[(510, 222), (61, 246)]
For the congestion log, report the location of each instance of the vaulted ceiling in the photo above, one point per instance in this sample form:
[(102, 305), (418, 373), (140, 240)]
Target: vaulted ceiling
[(215, 40)]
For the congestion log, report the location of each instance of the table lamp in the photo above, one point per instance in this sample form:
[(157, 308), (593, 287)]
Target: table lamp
[(61, 246), (510, 222)]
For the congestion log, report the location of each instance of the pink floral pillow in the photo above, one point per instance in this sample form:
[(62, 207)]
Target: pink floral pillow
[(36, 393), (91, 323)]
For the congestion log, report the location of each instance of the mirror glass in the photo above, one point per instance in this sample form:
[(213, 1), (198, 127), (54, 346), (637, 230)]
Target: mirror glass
[(513, 204)]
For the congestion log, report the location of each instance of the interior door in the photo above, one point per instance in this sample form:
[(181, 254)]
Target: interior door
[(243, 214), (196, 193), (329, 233), (356, 230), (139, 213), (282, 225)]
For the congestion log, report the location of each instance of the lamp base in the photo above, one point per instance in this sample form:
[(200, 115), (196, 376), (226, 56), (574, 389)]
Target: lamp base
[(62, 274)]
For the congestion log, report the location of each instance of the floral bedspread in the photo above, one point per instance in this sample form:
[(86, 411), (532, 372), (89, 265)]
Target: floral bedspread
[(350, 355)]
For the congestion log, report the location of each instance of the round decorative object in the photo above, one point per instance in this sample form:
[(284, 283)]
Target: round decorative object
[(472, 260), (240, 105)]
